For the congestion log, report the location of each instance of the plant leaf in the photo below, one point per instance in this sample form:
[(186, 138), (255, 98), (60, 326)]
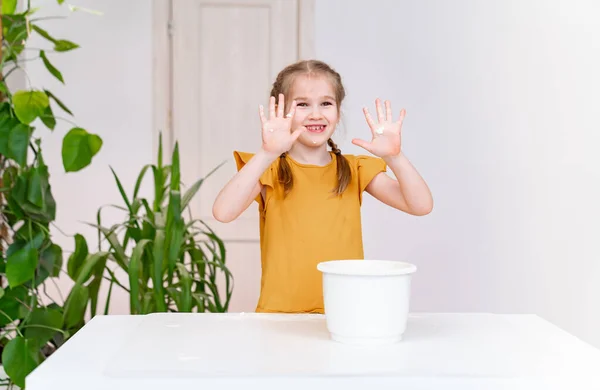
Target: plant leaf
[(43, 33), (50, 263), (9, 7), (48, 118), (89, 265), (29, 105), (117, 250), (175, 171), (63, 45), (157, 275), (35, 195), (75, 305), (18, 143), (135, 265), (77, 258), (78, 148), (20, 266), (58, 101), (186, 288), (20, 357), (94, 286), (44, 319), (138, 182), (11, 305), (51, 68), (15, 33)]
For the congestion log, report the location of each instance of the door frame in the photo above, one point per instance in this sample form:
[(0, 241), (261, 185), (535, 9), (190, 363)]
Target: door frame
[(162, 66)]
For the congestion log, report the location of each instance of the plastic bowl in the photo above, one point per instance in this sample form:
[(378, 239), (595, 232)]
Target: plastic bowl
[(366, 301)]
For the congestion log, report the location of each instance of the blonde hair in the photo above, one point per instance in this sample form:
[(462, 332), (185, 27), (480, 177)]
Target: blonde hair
[(283, 83)]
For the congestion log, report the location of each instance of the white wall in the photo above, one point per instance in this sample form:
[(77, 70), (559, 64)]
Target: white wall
[(502, 121), (500, 96)]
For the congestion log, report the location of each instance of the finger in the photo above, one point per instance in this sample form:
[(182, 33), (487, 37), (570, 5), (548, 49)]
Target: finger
[(379, 110), (388, 111), (402, 115), (298, 132), (280, 106), (363, 144), (292, 110), (272, 107), (369, 119), (261, 114)]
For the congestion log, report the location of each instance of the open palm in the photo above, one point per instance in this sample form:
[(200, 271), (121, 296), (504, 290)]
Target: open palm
[(386, 133), (276, 130)]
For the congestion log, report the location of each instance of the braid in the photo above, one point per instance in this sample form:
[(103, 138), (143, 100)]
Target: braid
[(344, 173), (284, 174)]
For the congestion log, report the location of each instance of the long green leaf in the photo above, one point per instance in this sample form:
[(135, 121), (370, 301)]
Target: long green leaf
[(135, 264), (94, 286), (108, 296), (174, 231), (191, 192), (159, 182), (175, 169), (89, 265), (117, 250), (75, 305), (186, 288), (121, 190), (139, 180), (157, 277)]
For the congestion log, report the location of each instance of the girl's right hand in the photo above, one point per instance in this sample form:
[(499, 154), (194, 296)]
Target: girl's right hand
[(277, 137)]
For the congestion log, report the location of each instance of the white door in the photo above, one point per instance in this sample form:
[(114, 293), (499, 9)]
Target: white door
[(225, 55)]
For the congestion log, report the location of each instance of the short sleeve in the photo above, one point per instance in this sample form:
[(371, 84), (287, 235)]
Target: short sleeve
[(266, 179), (368, 167)]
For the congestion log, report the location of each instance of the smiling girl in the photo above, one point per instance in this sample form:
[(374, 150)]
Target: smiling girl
[(309, 194)]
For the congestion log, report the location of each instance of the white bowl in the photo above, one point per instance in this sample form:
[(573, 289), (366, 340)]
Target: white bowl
[(366, 301)]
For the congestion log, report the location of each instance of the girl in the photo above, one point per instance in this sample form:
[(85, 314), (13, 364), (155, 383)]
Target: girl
[(309, 198)]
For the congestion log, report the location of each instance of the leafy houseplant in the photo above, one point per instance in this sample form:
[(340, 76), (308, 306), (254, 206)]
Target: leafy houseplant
[(172, 263), (29, 329)]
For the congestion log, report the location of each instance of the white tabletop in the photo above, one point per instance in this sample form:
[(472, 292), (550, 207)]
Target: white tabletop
[(275, 351)]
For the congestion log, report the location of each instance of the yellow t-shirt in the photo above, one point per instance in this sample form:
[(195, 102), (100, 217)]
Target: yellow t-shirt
[(310, 225)]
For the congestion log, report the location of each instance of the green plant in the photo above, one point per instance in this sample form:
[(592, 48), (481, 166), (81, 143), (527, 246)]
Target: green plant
[(172, 263), (30, 329)]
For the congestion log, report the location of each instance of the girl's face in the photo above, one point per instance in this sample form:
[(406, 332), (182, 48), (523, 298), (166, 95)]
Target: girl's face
[(316, 109)]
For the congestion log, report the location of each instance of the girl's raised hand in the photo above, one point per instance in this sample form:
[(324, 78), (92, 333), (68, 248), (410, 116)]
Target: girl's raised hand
[(386, 133), (277, 137)]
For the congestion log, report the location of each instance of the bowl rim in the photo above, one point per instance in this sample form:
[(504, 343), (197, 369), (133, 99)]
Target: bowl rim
[(328, 267)]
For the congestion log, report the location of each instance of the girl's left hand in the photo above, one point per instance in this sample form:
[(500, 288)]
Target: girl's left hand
[(386, 140)]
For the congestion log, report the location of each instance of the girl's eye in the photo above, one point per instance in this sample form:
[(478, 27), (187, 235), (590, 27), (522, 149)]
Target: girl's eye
[(301, 105), (327, 103)]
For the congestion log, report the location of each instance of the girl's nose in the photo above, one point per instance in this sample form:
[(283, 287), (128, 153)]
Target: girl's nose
[(315, 113)]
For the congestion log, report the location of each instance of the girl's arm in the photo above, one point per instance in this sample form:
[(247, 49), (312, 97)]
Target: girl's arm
[(408, 193), (243, 188)]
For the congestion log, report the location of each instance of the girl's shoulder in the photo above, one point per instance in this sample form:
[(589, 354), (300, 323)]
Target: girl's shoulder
[(360, 161)]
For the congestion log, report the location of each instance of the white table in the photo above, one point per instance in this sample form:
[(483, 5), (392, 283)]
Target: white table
[(278, 351)]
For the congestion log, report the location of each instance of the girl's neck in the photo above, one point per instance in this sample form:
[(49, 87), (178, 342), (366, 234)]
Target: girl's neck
[(308, 155)]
